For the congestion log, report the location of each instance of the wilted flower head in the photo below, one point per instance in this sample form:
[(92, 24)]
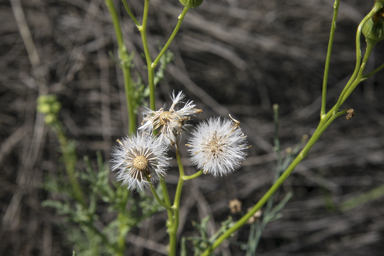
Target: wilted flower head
[(138, 158), (171, 122), (218, 146), (234, 206)]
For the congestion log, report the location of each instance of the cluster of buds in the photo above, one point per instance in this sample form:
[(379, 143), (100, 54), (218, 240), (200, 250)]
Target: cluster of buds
[(50, 107)]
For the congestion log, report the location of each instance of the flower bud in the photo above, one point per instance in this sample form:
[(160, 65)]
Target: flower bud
[(191, 3), (373, 29), (55, 107), (43, 108), (50, 119)]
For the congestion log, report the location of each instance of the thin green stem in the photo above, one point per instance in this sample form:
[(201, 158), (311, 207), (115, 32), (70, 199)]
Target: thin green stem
[(359, 77), (143, 33), (358, 59), (181, 18), (130, 13), (161, 202), (373, 72), (121, 235), (319, 130), (176, 206), (328, 59), (125, 65), (132, 123), (190, 177), (276, 123), (70, 160), (125, 62), (167, 201), (116, 22), (123, 193), (350, 86)]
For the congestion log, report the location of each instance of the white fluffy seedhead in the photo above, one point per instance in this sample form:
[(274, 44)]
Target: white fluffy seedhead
[(139, 160), (218, 146)]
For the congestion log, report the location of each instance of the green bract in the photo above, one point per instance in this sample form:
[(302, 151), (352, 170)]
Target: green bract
[(192, 3)]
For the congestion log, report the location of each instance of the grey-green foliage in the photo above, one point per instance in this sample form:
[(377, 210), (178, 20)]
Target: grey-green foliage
[(202, 242), (257, 228), (166, 58), (85, 230), (272, 212)]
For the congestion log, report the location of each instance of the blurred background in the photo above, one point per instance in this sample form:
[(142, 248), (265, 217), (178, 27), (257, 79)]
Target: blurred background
[(234, 57)]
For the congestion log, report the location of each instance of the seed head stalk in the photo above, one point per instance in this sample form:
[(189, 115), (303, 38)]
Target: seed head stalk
[(151, 67), (176, 206), (328, 59)]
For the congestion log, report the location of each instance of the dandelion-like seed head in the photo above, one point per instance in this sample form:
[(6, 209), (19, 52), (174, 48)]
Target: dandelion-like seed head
[(140, 160), (171, 122), (218, 146)]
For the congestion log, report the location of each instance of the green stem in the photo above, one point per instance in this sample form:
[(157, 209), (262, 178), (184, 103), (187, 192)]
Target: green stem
[(373, 72), (359, 77), (328, 59), (167, 201), (190, 177), (161, 202), (358, 59), (130, 13), (132, 123), (176, 206), (350, 86), (181, 18), (125, 65), (143, 33), (70, 160), (116, 22), (122, 193), (319, 131)]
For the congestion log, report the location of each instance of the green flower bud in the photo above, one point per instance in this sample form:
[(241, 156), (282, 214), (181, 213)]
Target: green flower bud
[(192, 3), (373, 29), (50, 119), (43, 108), (55, 107)]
